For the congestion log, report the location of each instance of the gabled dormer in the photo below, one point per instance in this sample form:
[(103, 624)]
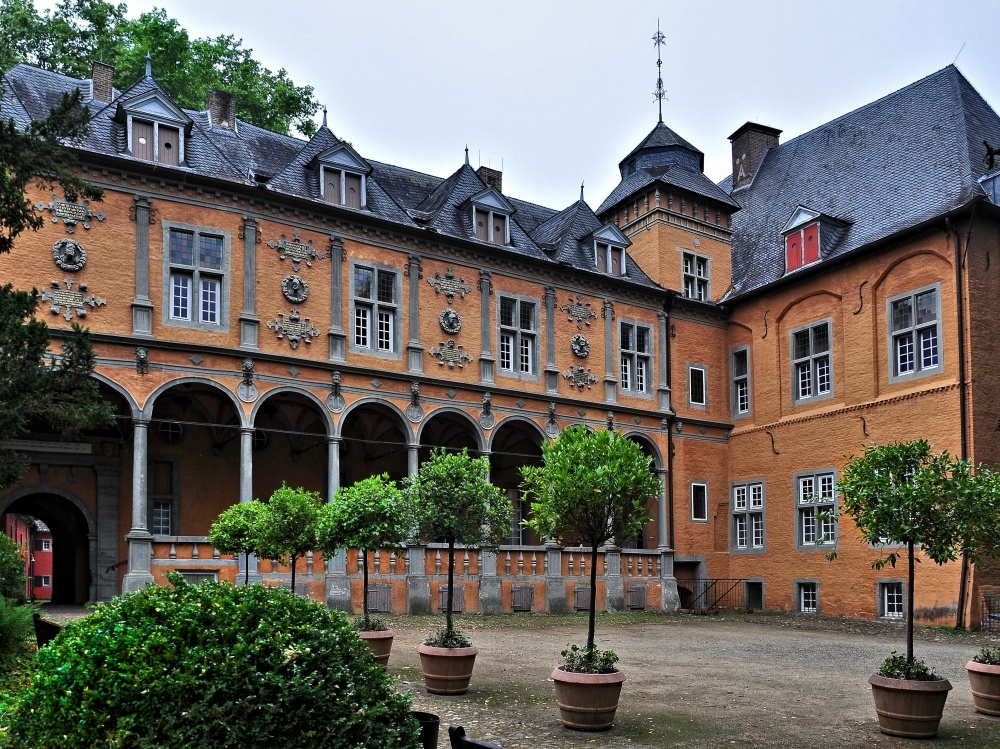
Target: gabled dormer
[(155, 127), (490, 212), (802, 238), (343, 176), (609, 250)]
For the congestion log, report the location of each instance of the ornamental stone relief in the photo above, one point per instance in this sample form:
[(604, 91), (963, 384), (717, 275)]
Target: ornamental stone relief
[(449, 285), (71, 214), (294, 327), (451, 354), (579, 377), (450, 321), (73, 300), (298, 252), (69, 255), (294, 288), (579, 312), (580, 345)]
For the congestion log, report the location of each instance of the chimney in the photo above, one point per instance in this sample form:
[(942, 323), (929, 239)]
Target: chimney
[(102, 78), (749, 144), (492, 177), (222, 109)]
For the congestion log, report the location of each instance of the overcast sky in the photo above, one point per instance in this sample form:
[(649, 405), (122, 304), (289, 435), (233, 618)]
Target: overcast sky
[(557, 93)]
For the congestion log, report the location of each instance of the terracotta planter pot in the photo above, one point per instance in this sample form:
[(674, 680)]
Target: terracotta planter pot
[(380, 643), (447, 670), (587, 702), (907, 707), (984, 680)]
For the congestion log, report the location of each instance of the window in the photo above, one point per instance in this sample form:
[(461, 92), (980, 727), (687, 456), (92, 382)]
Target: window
[(160, 523), (748, 517), (610, 259), (491, 226), (699, 502), (740, 363), (163, 497), (915, 333), (517, 336), (635, 341), (342, 187), (812, 376), (376, 307), (196, 277), (43, 544), (807, 597), (802, 247), (816, 510), (152, 141), (890, 599), (695, 275), (43, 581), (697, 386)]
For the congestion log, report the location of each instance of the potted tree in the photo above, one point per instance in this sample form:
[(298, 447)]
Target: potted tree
[(238, 530), (290, 525), (592, 486), (984, 680), (370, 515), (456, 504), (902, 496)]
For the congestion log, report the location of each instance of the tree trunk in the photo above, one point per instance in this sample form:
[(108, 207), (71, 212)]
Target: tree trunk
[(592, 623), (451, 585), (364, 588), (293, 574), (246, 578), (909, 605)]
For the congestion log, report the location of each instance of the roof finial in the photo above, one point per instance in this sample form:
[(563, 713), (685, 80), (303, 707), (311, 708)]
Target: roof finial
[(466, 154), (149, 66), (659, 94), (324, 116), (581, 192)]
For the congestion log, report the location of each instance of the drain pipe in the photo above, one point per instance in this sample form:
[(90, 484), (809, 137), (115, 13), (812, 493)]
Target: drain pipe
[(668, 308)]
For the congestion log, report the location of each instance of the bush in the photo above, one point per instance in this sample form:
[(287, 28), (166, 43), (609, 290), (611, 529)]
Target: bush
[(595, 661), (989, 656), (897, 666), (16, 630), (211, 666), (12, 579)]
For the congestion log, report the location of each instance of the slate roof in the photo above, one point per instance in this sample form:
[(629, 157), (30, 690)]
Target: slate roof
[(285, 165), (882, 169), (666, 158)]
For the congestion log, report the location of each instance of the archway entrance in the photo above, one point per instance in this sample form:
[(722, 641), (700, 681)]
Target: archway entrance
[(72, 576)]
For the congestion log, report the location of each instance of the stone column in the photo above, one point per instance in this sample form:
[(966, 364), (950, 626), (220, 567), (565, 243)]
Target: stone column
[(663, 360), (610, 372), (140, 542), (555, 583), (490, 602), (551, 372), (142, 307), (246, 495), (663, 511), (337, 336), (107, 532), (670, 600), (418, 589), (486, 360), (614, 586), (249, 322), (338, 586), (414, 349)]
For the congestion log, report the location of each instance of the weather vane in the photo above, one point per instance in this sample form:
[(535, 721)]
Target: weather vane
[(659, 94)]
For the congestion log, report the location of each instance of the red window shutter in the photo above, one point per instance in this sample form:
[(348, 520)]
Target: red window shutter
[(810, 243), (793, 250)]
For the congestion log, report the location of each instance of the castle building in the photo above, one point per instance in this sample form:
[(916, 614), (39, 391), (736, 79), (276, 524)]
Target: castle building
[(267, 309)]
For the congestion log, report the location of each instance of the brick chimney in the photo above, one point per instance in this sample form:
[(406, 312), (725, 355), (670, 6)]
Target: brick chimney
[(491, 177), (749, 144), (102, 77), (222, 109)]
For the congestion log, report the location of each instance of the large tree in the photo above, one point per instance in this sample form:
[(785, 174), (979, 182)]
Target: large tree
[(81, 31)]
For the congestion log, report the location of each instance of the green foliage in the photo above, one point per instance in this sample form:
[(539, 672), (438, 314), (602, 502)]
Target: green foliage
[(239, 530), (371, 624), (12, 579), (591, 486), (211, 665), (448, 638), (79, 31), (989, 656), (456, 504), (370, 515), (290, 525), (17, 630), (589, 660), (61, 395), (899, 667)]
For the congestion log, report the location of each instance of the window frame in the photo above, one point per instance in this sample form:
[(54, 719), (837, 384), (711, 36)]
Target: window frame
[(805, 509), (172, 500), (611, 249), (344, 173), (518, 335), (703, 369), (914, 330), (491, 213), (801, 588), (701, 284), (375, 306), (813, 359), (754, 515), (150, 119), (881, 591), (691, 493), (736, 380), (195, 273), (43, 581), (633, 356)]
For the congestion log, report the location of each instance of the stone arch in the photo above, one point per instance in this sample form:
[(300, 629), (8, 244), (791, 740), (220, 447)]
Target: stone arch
[(451, 428), (150, 402), (648, 538), (375, 437), (107, 381), (278, 391), (291, 434), (516, 442)]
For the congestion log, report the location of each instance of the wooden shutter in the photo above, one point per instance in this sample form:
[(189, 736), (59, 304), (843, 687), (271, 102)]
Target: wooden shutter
[(793, 250), (810, 243), (331, 186), (499, 229), (142, 140), (482, 228), (169, 146), (352, 191), (602, 258)]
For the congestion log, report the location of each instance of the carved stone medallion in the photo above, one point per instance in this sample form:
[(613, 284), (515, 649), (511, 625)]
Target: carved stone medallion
[(450, 321), (580, 345), (294, 288), (69, 255)]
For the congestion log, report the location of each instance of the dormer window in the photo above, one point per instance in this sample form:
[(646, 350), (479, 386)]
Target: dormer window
[(610, 259), (152, 141), (491, 226), (343, 177), (155, 128), (802, 246)]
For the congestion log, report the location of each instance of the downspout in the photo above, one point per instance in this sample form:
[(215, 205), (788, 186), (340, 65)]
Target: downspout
[(670, 431)]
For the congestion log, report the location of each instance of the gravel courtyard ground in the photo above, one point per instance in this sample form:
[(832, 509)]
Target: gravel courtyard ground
[(764, 680)]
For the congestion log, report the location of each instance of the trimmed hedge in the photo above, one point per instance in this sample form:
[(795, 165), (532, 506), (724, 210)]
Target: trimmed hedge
[(215, 666)]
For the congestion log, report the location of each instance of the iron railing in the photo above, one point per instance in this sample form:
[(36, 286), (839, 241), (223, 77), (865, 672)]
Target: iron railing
[(718, 594)]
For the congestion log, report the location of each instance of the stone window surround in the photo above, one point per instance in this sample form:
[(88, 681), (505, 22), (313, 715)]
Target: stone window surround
[(796, 400), (695, 256), (747, 513), (173, 499), (918, 371), (800, 508), (799, 586), (223, 325), (734, 379), (880, 592), (703, 485), (635, 355), (396, 352), (703, 368), (535, 374)]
